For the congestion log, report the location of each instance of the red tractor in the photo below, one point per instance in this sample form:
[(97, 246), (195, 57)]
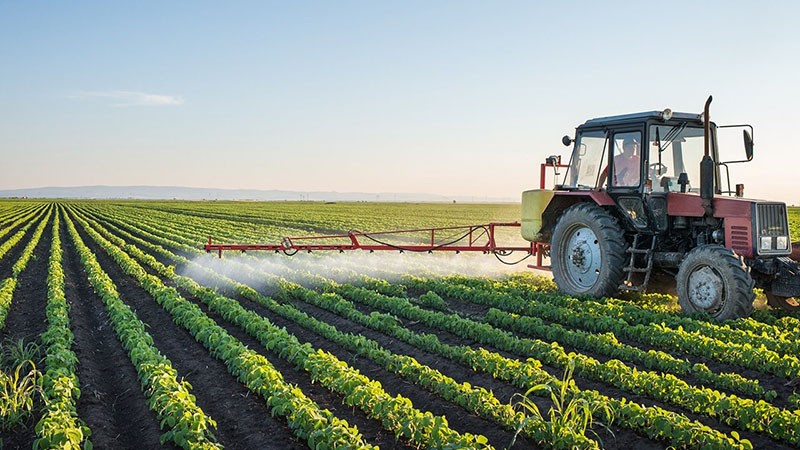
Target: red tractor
[(643, 194)]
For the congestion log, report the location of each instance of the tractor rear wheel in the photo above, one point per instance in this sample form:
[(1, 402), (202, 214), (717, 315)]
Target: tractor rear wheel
[(712, 279), (587, 251), (786, 303)]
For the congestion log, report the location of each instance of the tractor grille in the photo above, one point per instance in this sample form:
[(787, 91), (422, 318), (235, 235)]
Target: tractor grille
[(771, 220)]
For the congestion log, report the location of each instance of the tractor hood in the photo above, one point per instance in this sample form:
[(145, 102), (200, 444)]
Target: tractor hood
[(753, 228)]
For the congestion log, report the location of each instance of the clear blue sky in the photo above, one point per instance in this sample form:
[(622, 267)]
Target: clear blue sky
[(455, 98)]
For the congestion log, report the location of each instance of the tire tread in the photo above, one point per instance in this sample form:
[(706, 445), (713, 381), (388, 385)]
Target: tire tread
[(741, 302)]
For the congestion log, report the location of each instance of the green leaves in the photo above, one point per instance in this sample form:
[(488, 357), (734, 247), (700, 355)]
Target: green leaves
[(188, 425), (614, 372), (8, 285), (319, 427), (59, 427), (523, 306), (19, 384)]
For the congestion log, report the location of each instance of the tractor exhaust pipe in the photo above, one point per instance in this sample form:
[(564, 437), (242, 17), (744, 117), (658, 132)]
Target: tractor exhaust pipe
[(707, 165)]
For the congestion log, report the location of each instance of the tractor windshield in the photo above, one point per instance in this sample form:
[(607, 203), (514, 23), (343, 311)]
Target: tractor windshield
[(587, 159), (680, 148)]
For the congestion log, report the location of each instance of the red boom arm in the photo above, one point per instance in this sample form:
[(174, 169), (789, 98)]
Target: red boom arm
[(475, 238)]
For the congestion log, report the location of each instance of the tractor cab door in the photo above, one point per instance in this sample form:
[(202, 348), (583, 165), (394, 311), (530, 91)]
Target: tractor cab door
[(626, 183), (673, 165)]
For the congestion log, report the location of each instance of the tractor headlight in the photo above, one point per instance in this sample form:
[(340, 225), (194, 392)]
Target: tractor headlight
[(766, 242), (782, 242)]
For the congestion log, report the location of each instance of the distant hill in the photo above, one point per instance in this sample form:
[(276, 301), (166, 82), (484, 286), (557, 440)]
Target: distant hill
[(190, 193)]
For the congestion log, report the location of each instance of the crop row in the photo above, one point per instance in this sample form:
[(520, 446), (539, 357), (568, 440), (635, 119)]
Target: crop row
[(724, 398), (657, 418), (396, 413), (11, 216), (28, 221), (585, 315), (19, 218), (188, 426), (757, 356), (605, 343), (319, 427), (321, 217), (477, 400), (9, 285), (655, 422), (742, 413), (729, 381), (59, 426), (742, 331)]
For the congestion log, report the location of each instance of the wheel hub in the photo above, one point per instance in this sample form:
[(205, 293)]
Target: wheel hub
[(579, 256), (706, 288), (583, 251)]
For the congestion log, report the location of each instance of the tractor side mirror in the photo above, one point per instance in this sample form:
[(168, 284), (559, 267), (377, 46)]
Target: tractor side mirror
[(567, 141), (748, 145)]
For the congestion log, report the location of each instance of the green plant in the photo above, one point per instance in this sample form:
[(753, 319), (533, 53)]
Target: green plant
[(433, 300), (17, 392), (794, 400), (568, 411), (169, 398), (15, 352)]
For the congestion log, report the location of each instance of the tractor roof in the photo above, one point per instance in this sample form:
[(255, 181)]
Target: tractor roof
[(640, 117)]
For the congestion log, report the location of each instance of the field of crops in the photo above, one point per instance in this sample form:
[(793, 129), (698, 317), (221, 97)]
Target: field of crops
[(118, 331)]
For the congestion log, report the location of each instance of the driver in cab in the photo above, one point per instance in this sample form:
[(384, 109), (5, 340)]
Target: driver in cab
[(626, 164)]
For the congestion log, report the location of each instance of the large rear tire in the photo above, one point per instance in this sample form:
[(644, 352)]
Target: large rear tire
[(712, 279), (587, 251)]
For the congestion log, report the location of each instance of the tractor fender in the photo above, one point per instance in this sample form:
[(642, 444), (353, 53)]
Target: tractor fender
[(795, 251), (563, 200)]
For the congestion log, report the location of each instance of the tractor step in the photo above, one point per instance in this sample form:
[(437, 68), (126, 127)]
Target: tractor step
[(632, 268)]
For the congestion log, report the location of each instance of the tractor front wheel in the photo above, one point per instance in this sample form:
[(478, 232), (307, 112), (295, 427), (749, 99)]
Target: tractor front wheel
[(712, 279), (587, 251)]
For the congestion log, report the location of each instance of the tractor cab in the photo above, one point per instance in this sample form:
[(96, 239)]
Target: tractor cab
[(657, 151)]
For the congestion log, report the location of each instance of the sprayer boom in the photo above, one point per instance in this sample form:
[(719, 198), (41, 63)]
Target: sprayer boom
[(470, 238)]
